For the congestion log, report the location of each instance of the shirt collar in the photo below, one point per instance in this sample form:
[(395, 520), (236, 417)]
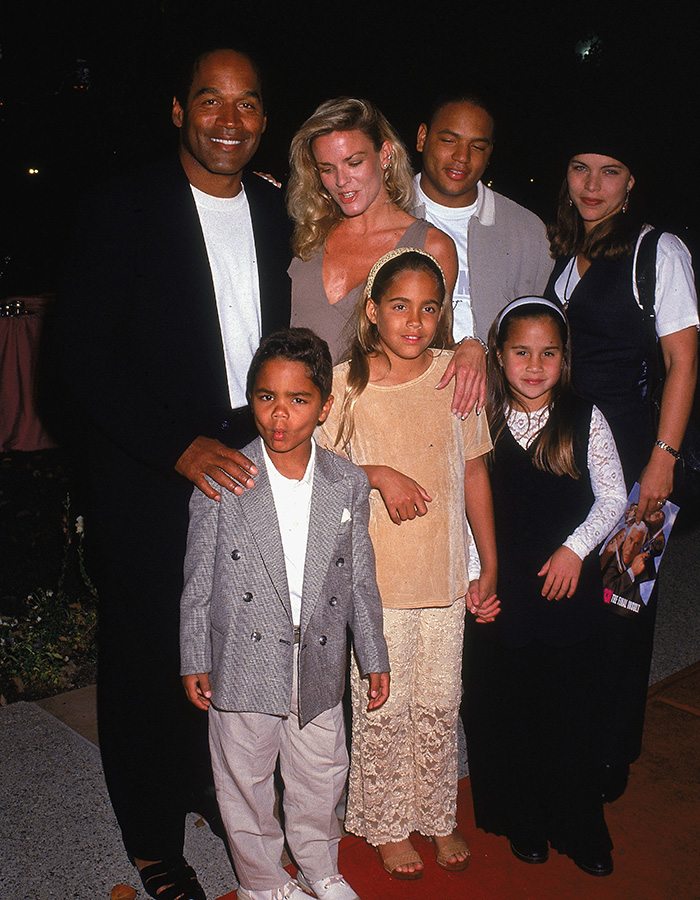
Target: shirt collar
[(485, 204), (281, 481)]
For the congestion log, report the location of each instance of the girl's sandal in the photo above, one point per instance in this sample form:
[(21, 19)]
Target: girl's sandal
[(454, 845), (405, 858)]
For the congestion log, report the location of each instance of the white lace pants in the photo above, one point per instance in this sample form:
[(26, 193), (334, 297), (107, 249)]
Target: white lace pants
[(403, 762)]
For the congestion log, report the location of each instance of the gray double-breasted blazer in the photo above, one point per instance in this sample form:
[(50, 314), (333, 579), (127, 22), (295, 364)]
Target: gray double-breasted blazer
[(235, 619)]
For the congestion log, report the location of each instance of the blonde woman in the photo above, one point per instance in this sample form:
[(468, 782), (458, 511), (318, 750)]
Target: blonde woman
[(350, 189)]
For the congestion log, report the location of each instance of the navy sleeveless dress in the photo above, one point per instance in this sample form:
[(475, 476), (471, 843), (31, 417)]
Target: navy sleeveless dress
[(532, 691)]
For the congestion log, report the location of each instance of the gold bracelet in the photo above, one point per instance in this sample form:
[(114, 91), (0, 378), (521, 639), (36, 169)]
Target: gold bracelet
[(668, 448)]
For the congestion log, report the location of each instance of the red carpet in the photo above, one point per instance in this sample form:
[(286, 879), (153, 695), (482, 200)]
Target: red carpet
[(655, 828)]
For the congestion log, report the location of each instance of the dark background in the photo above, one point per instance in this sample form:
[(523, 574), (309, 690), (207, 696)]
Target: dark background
[(85, 92)]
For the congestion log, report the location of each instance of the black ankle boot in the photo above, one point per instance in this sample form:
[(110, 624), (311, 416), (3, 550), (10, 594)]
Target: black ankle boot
[(532, 852)]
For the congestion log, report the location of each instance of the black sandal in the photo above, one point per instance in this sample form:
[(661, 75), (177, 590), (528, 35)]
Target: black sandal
[(175, 876)]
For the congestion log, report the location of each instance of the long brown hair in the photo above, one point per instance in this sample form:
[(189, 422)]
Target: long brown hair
[(612, 238), (366, 342), (553, 448)]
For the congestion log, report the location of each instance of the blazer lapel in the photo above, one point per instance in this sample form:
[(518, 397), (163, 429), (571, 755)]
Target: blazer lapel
[(272, 234), (259, 508), (327, 504)]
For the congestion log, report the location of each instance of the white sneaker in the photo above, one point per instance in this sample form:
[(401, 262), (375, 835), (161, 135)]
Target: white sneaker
[(288, 891), (334, 887)]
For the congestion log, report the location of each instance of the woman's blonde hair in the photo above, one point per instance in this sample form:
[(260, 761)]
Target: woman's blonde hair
[(367, 343), (311, 207)]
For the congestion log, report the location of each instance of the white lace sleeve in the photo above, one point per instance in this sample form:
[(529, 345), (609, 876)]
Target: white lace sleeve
[(608, 483)]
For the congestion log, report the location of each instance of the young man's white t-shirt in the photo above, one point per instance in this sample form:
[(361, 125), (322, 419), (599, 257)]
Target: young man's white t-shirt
[(455, 222)]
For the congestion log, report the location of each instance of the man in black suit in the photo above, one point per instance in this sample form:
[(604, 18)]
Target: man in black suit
[(177, 271)]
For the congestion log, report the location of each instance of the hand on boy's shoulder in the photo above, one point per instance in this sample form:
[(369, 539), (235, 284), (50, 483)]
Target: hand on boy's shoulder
[(207, 460)]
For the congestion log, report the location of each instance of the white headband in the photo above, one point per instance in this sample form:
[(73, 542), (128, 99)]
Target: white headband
[(527, 301)]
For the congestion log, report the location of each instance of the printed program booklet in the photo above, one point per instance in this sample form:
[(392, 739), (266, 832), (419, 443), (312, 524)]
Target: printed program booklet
[(631, 553)]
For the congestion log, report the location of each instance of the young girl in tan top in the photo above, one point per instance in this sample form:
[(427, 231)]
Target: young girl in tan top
[(403, 774)]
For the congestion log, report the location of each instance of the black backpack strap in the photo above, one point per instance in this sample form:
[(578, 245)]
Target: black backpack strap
[(645, 277)]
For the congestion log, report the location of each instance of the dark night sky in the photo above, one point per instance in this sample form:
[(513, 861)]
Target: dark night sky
[(520, 55)]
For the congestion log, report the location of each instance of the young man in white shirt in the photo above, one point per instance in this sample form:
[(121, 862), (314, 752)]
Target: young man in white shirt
[(502, 247)]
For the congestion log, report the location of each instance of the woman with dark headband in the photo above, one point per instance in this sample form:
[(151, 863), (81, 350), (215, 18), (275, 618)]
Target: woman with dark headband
[(596, 241)]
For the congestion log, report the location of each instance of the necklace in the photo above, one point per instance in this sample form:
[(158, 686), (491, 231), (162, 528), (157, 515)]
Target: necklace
[(567, 295)]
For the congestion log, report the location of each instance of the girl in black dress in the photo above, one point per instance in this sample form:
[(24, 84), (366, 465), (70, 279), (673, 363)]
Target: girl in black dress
[(532, 694)]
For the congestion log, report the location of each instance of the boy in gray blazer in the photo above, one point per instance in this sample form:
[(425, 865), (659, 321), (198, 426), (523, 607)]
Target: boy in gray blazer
[(273, 578)]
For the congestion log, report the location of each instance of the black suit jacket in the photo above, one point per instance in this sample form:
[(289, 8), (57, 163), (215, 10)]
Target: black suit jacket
[(139, 346)]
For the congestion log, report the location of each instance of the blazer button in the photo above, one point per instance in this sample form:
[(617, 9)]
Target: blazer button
[(340, 562), (235, 554), (323, 640), (255, 636), (333, 601), (247, 597)]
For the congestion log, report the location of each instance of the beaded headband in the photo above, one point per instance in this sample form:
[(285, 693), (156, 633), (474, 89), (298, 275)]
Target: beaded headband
[(528, 301), (392, 254)]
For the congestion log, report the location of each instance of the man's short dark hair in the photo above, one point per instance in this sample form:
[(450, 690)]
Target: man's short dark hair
[(296, 345), (472, 97), (186, 69)]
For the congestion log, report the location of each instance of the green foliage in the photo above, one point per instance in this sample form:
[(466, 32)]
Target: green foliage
[(53, 633)]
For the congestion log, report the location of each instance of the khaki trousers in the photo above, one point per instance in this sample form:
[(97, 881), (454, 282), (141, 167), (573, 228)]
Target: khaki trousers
[(313, 765)]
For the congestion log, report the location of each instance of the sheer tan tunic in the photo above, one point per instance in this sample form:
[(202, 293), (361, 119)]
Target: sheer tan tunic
[(422, 562)]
